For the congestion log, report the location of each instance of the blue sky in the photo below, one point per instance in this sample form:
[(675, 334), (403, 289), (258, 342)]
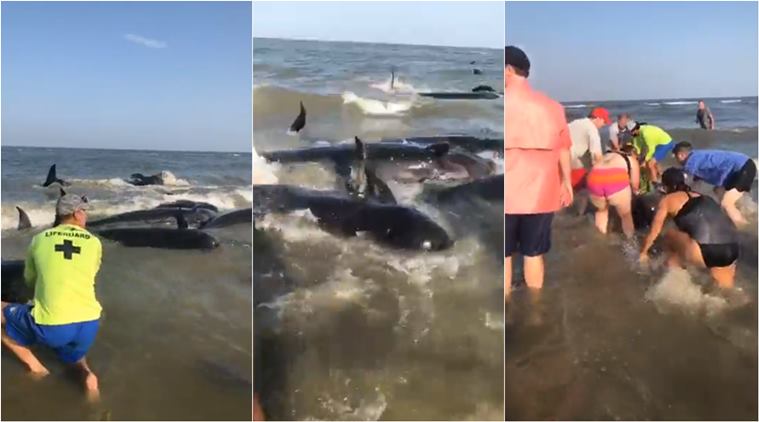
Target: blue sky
[(637, 50), (128, 75), (459, 24)]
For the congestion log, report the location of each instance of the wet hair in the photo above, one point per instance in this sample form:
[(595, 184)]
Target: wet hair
[(683, 146), (673, 180), (621, 115)]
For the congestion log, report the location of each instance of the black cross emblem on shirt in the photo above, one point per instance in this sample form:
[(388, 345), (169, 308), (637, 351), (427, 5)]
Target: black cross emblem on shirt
[(68, 249)]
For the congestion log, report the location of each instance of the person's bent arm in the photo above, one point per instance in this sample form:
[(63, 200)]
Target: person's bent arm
[(712, 123), (99, 255), (30, 272), (566, 176), (656, 227), (635, 175), (613, 138), (596, 152)]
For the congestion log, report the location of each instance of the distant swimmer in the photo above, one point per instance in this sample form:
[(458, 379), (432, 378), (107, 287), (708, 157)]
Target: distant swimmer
[(730, 171), (61, 265), (537, 175), (656, 143), (704, 116), (586, 139), (609, 184), (703, 234), (619, 132)]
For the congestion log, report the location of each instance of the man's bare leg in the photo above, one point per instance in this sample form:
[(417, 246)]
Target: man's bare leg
[(90, 380), (534, 271), (24, 354), (728, 204), (653, 170)]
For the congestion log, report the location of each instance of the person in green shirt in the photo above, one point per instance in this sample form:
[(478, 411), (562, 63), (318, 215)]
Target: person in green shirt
[(656, 143), (61, 265)]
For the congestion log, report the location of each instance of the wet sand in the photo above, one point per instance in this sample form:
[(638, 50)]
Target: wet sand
[(608, 345)]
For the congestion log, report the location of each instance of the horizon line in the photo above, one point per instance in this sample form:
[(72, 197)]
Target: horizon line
[(4, 145), (662, 98), (371, 42)]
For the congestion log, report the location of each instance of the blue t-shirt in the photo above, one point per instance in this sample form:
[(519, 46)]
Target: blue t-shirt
[(714, 166)]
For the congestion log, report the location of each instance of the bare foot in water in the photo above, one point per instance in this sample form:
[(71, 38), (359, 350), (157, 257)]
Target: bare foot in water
[(38, 372), (91, 388)]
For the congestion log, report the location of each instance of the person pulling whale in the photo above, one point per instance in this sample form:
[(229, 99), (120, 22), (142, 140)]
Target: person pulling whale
[(703, 234)]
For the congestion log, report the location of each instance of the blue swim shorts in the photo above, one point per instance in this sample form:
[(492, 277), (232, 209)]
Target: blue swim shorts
[(661, 151), (69, 341)]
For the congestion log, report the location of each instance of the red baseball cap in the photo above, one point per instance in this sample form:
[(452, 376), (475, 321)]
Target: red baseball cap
[(601, 113)]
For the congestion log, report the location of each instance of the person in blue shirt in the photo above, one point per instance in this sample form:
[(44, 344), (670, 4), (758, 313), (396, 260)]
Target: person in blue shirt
[(732, 171)]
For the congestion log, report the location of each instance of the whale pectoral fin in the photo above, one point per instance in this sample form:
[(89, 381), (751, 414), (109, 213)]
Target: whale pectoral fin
[(23, 219), (377, 188), (361, 153), (61, 191), (300, 121), (51, 177)]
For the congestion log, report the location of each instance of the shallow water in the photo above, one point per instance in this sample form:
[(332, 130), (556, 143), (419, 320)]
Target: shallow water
[(346, 329), (610, 340), (176, 325)]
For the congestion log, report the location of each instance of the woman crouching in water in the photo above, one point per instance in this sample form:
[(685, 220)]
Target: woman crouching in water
[(609, 184), (703, 234)]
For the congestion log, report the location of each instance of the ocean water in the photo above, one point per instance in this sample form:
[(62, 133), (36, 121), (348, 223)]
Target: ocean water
[(345, 328), (324, 74), (678, 113), (610, 340), (176, 325)]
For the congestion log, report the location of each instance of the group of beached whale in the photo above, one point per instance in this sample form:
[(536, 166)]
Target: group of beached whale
[(189, 217), (363, 202)]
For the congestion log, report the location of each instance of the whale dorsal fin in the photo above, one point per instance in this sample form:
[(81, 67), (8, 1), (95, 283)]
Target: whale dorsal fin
[(23, 219)]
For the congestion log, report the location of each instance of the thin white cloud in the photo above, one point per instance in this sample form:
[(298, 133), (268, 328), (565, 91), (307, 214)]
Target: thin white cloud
[(147, 42)]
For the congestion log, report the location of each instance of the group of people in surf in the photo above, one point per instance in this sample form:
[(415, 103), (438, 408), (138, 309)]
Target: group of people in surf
[(548, 160)]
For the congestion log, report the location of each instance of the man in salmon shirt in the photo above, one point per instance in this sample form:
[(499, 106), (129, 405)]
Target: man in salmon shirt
[(537, 170)]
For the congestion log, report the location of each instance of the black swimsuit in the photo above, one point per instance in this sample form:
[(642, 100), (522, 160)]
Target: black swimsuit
[(703, 220)]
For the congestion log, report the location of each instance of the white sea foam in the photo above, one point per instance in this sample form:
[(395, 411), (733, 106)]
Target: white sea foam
[(372, 107), (676, 291), (263, 172)]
